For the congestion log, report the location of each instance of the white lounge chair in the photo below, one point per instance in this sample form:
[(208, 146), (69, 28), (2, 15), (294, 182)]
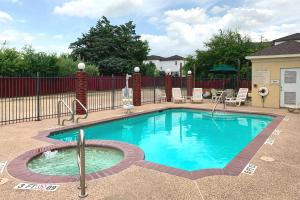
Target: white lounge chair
[(176, 96), (160, 95), (293, 108), (197, 95), (240, 97)]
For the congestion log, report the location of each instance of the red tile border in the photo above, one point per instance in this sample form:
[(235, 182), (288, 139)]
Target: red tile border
[(233, 168), (18, 167)]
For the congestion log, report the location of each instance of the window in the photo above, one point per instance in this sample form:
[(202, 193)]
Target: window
[(290, 76), (176, 62)]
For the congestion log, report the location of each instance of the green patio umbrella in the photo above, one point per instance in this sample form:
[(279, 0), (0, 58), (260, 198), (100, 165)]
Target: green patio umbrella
[(224, 69)]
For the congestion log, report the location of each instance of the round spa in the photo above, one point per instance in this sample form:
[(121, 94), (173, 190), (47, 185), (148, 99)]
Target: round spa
[(58, 163), (63, 162)]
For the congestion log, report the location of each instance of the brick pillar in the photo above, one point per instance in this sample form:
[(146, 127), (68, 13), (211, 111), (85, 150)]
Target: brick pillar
[(81, 91), (168, 87), (137, 87), (189, 85)]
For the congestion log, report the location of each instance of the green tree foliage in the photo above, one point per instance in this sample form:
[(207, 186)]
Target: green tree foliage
[(28, 62), (10, 60), (226, 47), (149, 69), (34, 62), (113, 49)]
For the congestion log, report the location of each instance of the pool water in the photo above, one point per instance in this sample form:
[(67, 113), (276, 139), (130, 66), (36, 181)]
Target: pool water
[(182, 138), (64, 162)]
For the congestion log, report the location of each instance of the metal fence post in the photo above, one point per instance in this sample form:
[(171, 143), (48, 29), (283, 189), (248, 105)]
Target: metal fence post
[(38, 88), (113, 91)]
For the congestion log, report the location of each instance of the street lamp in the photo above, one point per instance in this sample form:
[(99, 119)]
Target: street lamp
[(168, 71), (189, 72), (81, 66), (136, 69)]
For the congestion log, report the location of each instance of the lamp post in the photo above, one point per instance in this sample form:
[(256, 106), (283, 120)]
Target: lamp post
[(189, 83), (81, 66), (168, 85), (81, 89), (137, 86)]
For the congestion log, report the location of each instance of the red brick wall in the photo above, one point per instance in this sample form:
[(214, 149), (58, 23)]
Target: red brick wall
[(189, 85), (81, 91), (168, 87), (137, 87)]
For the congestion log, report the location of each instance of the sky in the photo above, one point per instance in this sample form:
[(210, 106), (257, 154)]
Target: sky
[(170, 26)]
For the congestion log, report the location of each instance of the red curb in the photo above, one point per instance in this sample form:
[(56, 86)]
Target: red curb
[(18, 167)]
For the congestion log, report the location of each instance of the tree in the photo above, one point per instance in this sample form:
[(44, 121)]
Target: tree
[(28, 62), (113, 49), (226, 47), (149, 69)]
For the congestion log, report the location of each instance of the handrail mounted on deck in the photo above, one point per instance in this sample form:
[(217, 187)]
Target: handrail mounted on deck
[(81, 162)]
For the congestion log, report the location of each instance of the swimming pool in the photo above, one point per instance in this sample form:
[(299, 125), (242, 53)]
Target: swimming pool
[(180, 138)]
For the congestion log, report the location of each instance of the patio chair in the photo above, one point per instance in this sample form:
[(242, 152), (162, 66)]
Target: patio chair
[(240, 97), (293, 108), (176, 96), (214, 95), (127, 98), (229, 93), (197, 95), (160, 95)]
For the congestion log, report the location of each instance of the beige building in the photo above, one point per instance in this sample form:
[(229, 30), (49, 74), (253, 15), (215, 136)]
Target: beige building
[(277, 68)]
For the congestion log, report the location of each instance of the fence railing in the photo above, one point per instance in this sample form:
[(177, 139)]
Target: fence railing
[(35, 98)]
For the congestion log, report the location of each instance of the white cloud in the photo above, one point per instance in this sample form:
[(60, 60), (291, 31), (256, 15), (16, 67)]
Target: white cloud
[(5, 17), (187, 29), (219, 9), (117, 8), (97, 8), (39, 41), (58, 37)]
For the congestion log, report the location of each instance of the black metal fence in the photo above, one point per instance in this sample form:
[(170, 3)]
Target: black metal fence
[(35, 97)]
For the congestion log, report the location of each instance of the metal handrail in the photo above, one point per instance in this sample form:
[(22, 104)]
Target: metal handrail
[(216, 104), (59, 112), (81, 162), (74, 111)]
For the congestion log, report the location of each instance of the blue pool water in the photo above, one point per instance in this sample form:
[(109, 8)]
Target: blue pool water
[(181, 138)]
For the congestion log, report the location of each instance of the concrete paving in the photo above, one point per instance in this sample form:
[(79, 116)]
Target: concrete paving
[(278, 179)]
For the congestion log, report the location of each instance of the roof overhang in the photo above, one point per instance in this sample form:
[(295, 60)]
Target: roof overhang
[(273, 56)]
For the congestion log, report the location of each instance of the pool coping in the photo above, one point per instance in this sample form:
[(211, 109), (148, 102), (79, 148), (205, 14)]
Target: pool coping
[(233, 168), (18, 167)]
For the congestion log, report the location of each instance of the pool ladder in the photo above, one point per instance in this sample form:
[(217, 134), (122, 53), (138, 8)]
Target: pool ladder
[(72, 110), (81, 163), (222, 96)]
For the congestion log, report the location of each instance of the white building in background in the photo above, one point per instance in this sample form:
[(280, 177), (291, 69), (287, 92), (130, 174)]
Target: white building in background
[(174, 63)]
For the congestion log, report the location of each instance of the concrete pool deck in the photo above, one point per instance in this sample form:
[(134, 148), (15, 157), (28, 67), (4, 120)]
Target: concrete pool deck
[(279, 179)]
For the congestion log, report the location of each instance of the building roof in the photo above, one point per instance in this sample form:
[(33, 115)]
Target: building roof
[(160, 58), (154, 57), (175, 57), (295, 36), (289, 47)]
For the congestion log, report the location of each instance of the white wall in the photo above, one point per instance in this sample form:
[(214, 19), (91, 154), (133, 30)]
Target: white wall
[(173, 65)]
